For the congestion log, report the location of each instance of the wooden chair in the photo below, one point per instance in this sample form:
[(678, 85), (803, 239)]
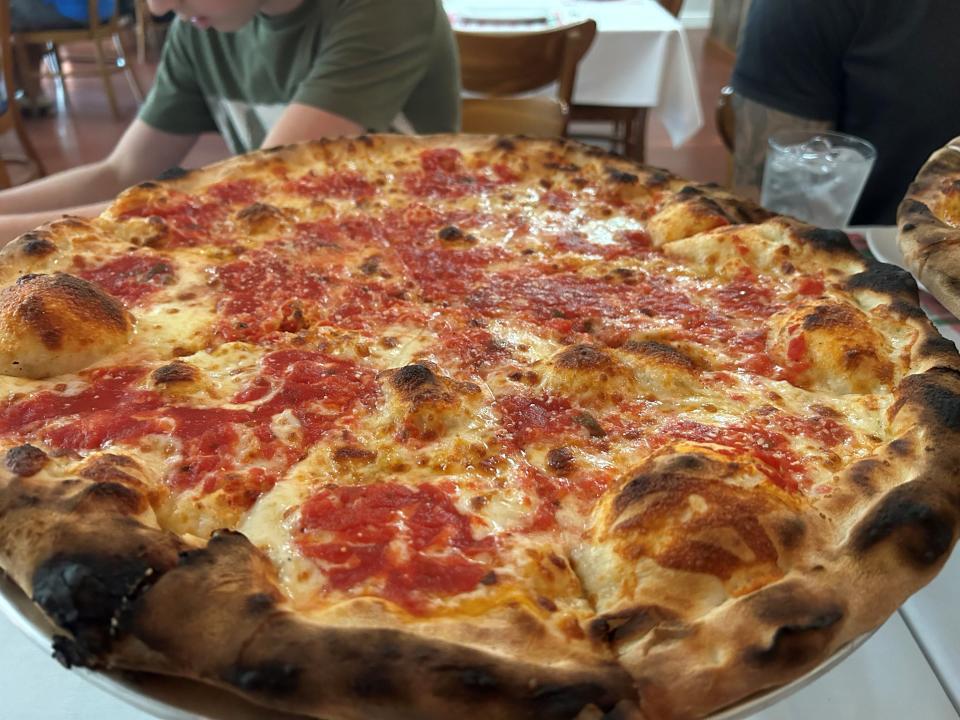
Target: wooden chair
[(143, 22), (96, 33), (149, 30), (534, 117), (10, 114), (500, 65), (629, 125)]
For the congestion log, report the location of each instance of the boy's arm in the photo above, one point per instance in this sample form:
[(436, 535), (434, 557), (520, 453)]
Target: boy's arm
[(301, 122), (143, 152), (12, 226)]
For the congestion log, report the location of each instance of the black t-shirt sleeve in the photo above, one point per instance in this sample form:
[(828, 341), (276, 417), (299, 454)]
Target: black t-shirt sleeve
[(791, 55)]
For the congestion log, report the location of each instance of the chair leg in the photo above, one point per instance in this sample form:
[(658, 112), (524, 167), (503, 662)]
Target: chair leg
[(28, 149), (634, 139), (141, 17), (55, 63), (29, 71), (4, 176), (128, 70), (106, 75)]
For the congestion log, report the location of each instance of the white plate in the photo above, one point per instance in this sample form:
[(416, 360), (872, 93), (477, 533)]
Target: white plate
[(530, 14), (164, 697), (882, 242), (171, 698)]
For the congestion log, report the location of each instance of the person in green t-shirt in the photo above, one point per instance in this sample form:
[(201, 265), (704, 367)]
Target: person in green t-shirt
[(265, 73)]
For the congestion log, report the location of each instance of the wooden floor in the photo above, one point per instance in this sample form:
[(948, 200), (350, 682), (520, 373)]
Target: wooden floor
[(83, 128)]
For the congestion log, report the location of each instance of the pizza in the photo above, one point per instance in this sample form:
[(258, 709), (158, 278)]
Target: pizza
[(929, 224), (463, 426)]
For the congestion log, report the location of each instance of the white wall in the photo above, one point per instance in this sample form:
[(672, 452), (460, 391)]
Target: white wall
[(696, 13)]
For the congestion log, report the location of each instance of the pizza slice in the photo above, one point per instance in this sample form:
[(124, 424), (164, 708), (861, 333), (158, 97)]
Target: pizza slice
[(928, 221)]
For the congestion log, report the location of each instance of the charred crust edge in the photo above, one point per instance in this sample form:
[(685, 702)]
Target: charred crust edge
[(922, 533), (827, 240), (883, 278)]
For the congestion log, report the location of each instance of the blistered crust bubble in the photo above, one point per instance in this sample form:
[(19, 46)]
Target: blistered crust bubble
[(831, 346), (55, 324)]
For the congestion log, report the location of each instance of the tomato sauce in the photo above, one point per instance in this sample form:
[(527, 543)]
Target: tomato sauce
[(443, 175), (527, 418), (550, 492), (345, 184), (132, 277), (810, 286), (237, 192), (447, 273), (192, 220), (473, 348), (256, 291), (319, 390), (770, 447), (745, 296), (405, 544)]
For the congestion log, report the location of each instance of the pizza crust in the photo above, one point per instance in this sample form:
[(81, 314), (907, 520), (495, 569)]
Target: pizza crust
[(131, 596), (81, 536), (56, 324), (930, 242)]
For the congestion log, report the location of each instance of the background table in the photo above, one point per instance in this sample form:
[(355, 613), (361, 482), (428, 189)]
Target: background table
[(909, 669), (640, 57)]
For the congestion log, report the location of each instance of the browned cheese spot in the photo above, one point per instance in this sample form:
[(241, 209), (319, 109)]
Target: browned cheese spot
[(659, 498), (621, 177), (34, 244), (175, 372), (560, 460), (411, 380), (371, 264), (258, 212), (353, 454), (25, 460), (582, 357), (590, 424), (661, 353), (451, 233)]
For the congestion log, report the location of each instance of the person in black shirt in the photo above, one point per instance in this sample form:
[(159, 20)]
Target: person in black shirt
[(887, 71)]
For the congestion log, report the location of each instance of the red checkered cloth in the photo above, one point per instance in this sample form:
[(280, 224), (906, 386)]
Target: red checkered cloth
[(943, 319)]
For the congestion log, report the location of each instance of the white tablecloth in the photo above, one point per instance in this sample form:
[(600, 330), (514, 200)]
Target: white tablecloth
[(640, 57), (887, 679)]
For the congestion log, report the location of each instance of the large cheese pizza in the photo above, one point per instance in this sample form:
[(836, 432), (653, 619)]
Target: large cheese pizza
[(468, 427)]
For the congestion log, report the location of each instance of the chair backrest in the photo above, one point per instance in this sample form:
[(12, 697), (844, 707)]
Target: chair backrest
[(672, 6), (6, 63), (93, 12), (531, 116), (9, 86), (725, 119), (499, 64)]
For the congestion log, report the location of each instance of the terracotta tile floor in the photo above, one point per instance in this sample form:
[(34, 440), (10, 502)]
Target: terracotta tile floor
[(83, 129)]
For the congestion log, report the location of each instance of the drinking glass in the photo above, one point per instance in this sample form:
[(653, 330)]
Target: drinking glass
[(816, 176)]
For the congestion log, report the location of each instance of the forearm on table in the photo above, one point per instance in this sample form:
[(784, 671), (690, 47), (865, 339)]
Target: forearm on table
[(754, 124), (83, 185), (11, 226)]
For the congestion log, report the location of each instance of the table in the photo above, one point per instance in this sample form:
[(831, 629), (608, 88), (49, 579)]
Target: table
[(639, 59), (910, 668)]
